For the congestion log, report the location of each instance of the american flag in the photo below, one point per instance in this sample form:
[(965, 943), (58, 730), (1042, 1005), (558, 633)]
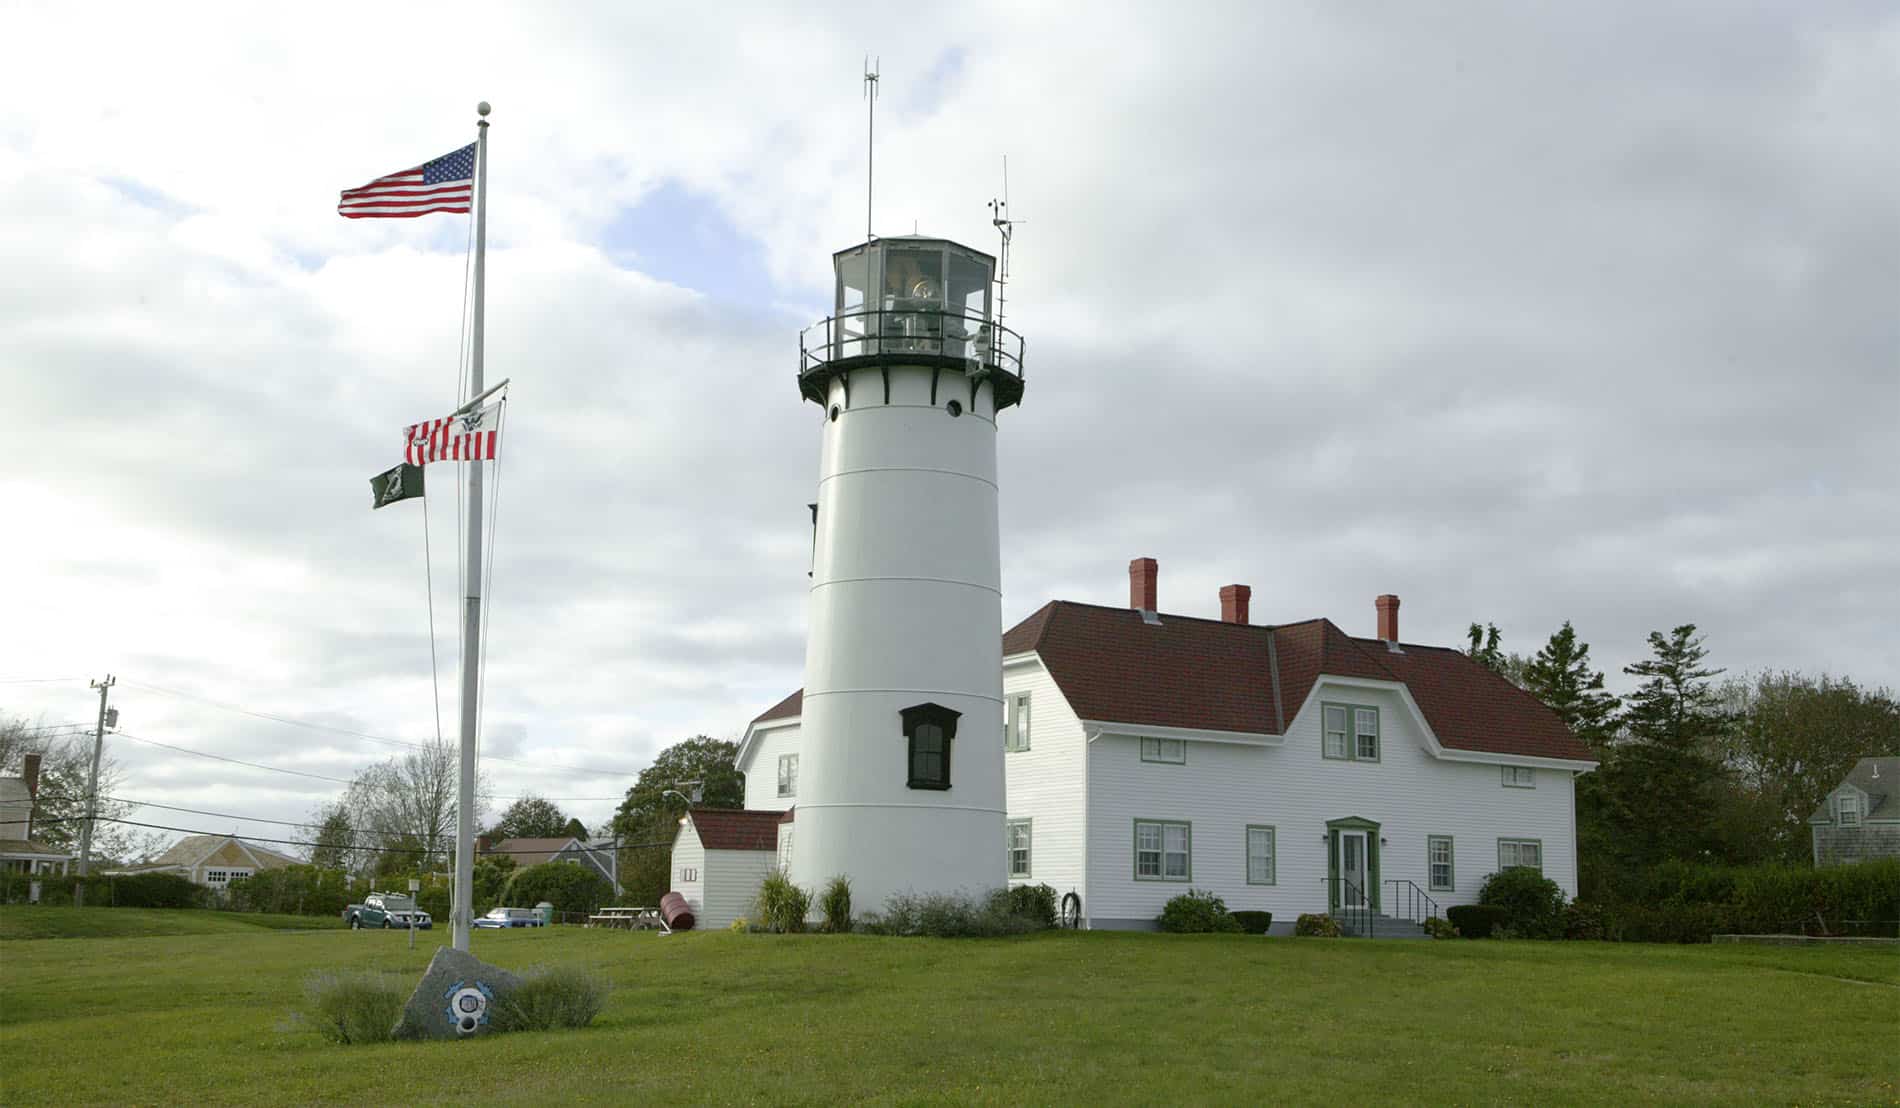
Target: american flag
[(463, 438), (446, 184)]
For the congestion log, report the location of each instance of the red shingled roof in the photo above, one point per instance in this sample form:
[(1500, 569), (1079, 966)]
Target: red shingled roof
[(784, 709), (736, 828), (1207, 675), (1471, 708)]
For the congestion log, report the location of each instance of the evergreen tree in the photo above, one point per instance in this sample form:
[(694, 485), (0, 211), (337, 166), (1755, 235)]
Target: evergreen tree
[(335, 839), (1485, 651), (1561, 677), (575, 829), (1676, 707), (1658, 790), (1484, 647)]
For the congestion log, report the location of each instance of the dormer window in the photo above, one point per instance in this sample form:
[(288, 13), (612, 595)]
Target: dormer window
[(1350, 732), (1847, 806), (929, 729)]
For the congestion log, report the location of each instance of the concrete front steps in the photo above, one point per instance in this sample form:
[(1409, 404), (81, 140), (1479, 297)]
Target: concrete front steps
[(1383, 927)]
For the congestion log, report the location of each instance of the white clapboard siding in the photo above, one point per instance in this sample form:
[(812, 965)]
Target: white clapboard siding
[(761, 768), (688, 877), (1224, 788), (732, 884), (1044, 783)]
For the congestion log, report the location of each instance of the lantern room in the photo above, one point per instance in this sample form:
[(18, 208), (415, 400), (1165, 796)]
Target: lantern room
[(912, 300)]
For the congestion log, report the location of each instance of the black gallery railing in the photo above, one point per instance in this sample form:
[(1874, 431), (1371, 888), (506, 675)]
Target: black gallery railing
[(958, 336)]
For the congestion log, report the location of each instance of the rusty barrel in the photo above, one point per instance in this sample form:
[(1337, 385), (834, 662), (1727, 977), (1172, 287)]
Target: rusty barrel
[(676, 912)]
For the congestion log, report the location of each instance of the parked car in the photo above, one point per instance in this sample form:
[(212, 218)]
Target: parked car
[(386, 910), (510, 917)]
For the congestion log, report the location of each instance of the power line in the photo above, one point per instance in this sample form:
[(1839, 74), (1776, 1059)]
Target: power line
[(339, 780), (38, 680), (384, 739), (233, 761)]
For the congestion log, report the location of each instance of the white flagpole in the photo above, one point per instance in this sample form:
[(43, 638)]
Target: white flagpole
[(461, 912)]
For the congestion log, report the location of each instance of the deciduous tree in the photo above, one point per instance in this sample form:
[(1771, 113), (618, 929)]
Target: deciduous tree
[(530, 817), (648, 818)]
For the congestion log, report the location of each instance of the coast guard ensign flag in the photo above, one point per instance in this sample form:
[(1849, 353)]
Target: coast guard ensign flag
[(464, 438)]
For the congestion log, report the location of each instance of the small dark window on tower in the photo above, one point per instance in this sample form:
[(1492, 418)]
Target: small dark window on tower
[(929, 728), (955, 407)]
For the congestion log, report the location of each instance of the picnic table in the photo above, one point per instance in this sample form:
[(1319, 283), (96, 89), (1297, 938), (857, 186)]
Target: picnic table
[(629, 919)]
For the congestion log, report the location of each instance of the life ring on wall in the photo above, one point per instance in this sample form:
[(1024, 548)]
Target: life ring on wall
[(1070, 915)]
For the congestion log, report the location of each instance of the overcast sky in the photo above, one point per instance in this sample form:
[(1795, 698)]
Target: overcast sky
[(1586, 313)]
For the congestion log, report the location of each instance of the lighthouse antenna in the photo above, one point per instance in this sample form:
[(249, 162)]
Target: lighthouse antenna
[(1005, 229), (870, 135)]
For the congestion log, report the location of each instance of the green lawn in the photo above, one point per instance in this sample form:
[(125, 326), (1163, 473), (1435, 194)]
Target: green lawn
[(1079, 1018)]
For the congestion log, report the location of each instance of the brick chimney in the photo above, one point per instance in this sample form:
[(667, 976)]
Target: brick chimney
[(1141, 584), (30, 773), (484, 843), (1233, 603), (1388, 606)]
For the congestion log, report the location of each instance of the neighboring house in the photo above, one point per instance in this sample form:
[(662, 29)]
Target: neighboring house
[(20, 852), (1860, 819), (213, 861), (720, 856), (599, 854), (1289, 768)]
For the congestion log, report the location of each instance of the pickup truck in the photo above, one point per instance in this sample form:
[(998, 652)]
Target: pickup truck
[(386, 910)]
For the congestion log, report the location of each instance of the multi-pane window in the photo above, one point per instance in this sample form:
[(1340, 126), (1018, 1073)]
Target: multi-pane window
[(1335, 731), (1162, 851), (1438, 862), (1173, 751), (224, 876), (929, 729), (1365, 730), (1018, 846), (1849, 807), (1260, 856), (1519, 777), (1016, 727), (1521, 852), (1350, 733), (788, 775)]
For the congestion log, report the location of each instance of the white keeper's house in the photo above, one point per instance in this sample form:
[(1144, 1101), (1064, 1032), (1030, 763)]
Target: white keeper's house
[(1290, 768)]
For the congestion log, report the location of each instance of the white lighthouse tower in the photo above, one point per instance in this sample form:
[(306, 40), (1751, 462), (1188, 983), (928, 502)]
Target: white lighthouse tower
[(902, 748)]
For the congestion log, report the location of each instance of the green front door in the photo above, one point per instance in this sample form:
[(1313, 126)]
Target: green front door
[(1352, 864)]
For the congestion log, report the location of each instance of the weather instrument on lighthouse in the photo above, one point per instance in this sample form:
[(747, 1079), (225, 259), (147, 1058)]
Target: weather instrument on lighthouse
[(902, 762)]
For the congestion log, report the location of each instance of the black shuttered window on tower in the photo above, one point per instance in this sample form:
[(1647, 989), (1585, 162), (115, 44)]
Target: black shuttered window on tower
[(928, 732)]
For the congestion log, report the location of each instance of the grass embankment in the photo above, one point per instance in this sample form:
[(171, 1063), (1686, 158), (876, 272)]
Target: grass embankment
[(1087, 1018), (40, 922)]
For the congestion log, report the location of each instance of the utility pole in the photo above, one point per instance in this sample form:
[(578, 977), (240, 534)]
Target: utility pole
[(92, 794)]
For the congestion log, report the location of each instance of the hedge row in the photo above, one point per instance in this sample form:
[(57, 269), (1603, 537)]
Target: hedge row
[(139, 890)]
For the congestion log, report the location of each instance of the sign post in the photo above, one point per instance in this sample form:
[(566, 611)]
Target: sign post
[(415, 905)]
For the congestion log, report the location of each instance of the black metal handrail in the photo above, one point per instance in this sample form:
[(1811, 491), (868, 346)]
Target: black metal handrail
[(959, 336), (1351, 902), (1415, 899)]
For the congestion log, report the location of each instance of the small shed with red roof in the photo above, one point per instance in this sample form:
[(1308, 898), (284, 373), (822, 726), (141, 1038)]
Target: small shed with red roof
[(720, 856)]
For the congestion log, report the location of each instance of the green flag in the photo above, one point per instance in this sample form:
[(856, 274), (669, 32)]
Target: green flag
[(400, 483)]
